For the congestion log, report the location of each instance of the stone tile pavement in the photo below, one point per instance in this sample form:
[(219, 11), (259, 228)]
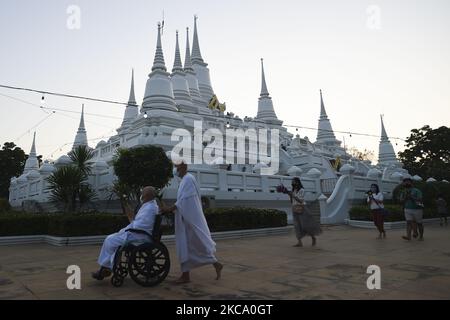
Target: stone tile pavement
[(257, 268)]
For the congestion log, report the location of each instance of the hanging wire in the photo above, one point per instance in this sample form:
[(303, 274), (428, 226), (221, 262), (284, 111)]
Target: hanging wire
[(33, 127), (62, 94), (187, 112), (58, 111), (228, 116)]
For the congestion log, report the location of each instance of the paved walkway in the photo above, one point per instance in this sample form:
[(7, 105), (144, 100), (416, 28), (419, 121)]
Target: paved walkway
[(258, 268)]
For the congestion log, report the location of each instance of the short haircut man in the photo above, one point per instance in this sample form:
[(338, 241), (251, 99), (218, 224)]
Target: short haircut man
[(143, 220)]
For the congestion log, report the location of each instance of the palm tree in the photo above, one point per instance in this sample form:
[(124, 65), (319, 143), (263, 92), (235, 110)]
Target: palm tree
[(64, 184), (69, 184), (81, 157)]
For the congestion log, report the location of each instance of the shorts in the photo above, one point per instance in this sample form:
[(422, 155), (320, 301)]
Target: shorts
[(414, 215), (443, 214)]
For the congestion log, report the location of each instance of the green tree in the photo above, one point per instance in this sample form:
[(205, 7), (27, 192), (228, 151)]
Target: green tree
[(430, 192), (428, 153), (81, 157), (12, 162), (139, 167), (69, 184)]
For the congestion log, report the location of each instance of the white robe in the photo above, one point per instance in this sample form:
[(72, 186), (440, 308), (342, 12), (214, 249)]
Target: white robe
[(144, 220), (195, 246)]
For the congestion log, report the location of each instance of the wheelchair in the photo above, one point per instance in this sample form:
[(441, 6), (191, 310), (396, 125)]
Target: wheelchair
[(147, 262)]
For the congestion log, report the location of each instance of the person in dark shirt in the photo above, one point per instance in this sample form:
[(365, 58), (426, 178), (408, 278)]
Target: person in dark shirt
[(441, 206), (413, 208)]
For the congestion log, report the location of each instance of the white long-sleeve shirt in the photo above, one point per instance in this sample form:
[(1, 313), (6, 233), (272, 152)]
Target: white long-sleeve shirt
[(300, 194), (373, 204), (145, 218)]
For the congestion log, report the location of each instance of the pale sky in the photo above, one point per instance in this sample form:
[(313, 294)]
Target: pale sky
[(397, 66)]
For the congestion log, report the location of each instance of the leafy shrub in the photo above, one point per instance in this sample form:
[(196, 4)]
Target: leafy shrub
[(396, 213), (76, 225), (92, 224), (239, 218), (430, 191), (18, 224), (4, 205), (150, 167)]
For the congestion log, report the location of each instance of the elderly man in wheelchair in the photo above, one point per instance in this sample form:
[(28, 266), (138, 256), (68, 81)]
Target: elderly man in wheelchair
[(136, 249)]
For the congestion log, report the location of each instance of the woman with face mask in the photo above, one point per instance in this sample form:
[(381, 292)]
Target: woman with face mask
[(375, 201)]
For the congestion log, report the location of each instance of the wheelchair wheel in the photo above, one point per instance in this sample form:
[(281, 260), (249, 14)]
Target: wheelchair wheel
[(149, 264), (117, 280), (120, 267)]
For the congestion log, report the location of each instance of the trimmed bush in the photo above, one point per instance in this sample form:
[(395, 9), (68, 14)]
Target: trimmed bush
[(226, 219), (4, 205), (93, 224), (363, 213), (23, 224), (77, 225)]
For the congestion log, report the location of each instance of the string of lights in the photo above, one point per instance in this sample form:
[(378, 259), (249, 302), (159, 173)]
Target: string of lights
[(227, 116), (71, 142), (34, 127), (43, 93), (59, 110)]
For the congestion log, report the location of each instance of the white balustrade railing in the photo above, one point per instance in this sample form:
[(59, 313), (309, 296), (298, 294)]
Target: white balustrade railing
[(243, 185), (350, 188)]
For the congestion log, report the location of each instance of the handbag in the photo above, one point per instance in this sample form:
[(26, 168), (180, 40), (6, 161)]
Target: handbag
[(298, 208)]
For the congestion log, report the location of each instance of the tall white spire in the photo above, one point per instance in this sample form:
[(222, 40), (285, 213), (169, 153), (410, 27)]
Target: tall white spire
[(180, 84), (158, 91), (132, 109), (132, 99), (191, 76), (384, 135), (265, 105), (196, 54), (158, 62), (81, 126), (325, 134), (323, 113), (386, 152), (81, 137), (264, 91), (33, 146), (187, 58), (177, 66), (201, 68), (32, 162)]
